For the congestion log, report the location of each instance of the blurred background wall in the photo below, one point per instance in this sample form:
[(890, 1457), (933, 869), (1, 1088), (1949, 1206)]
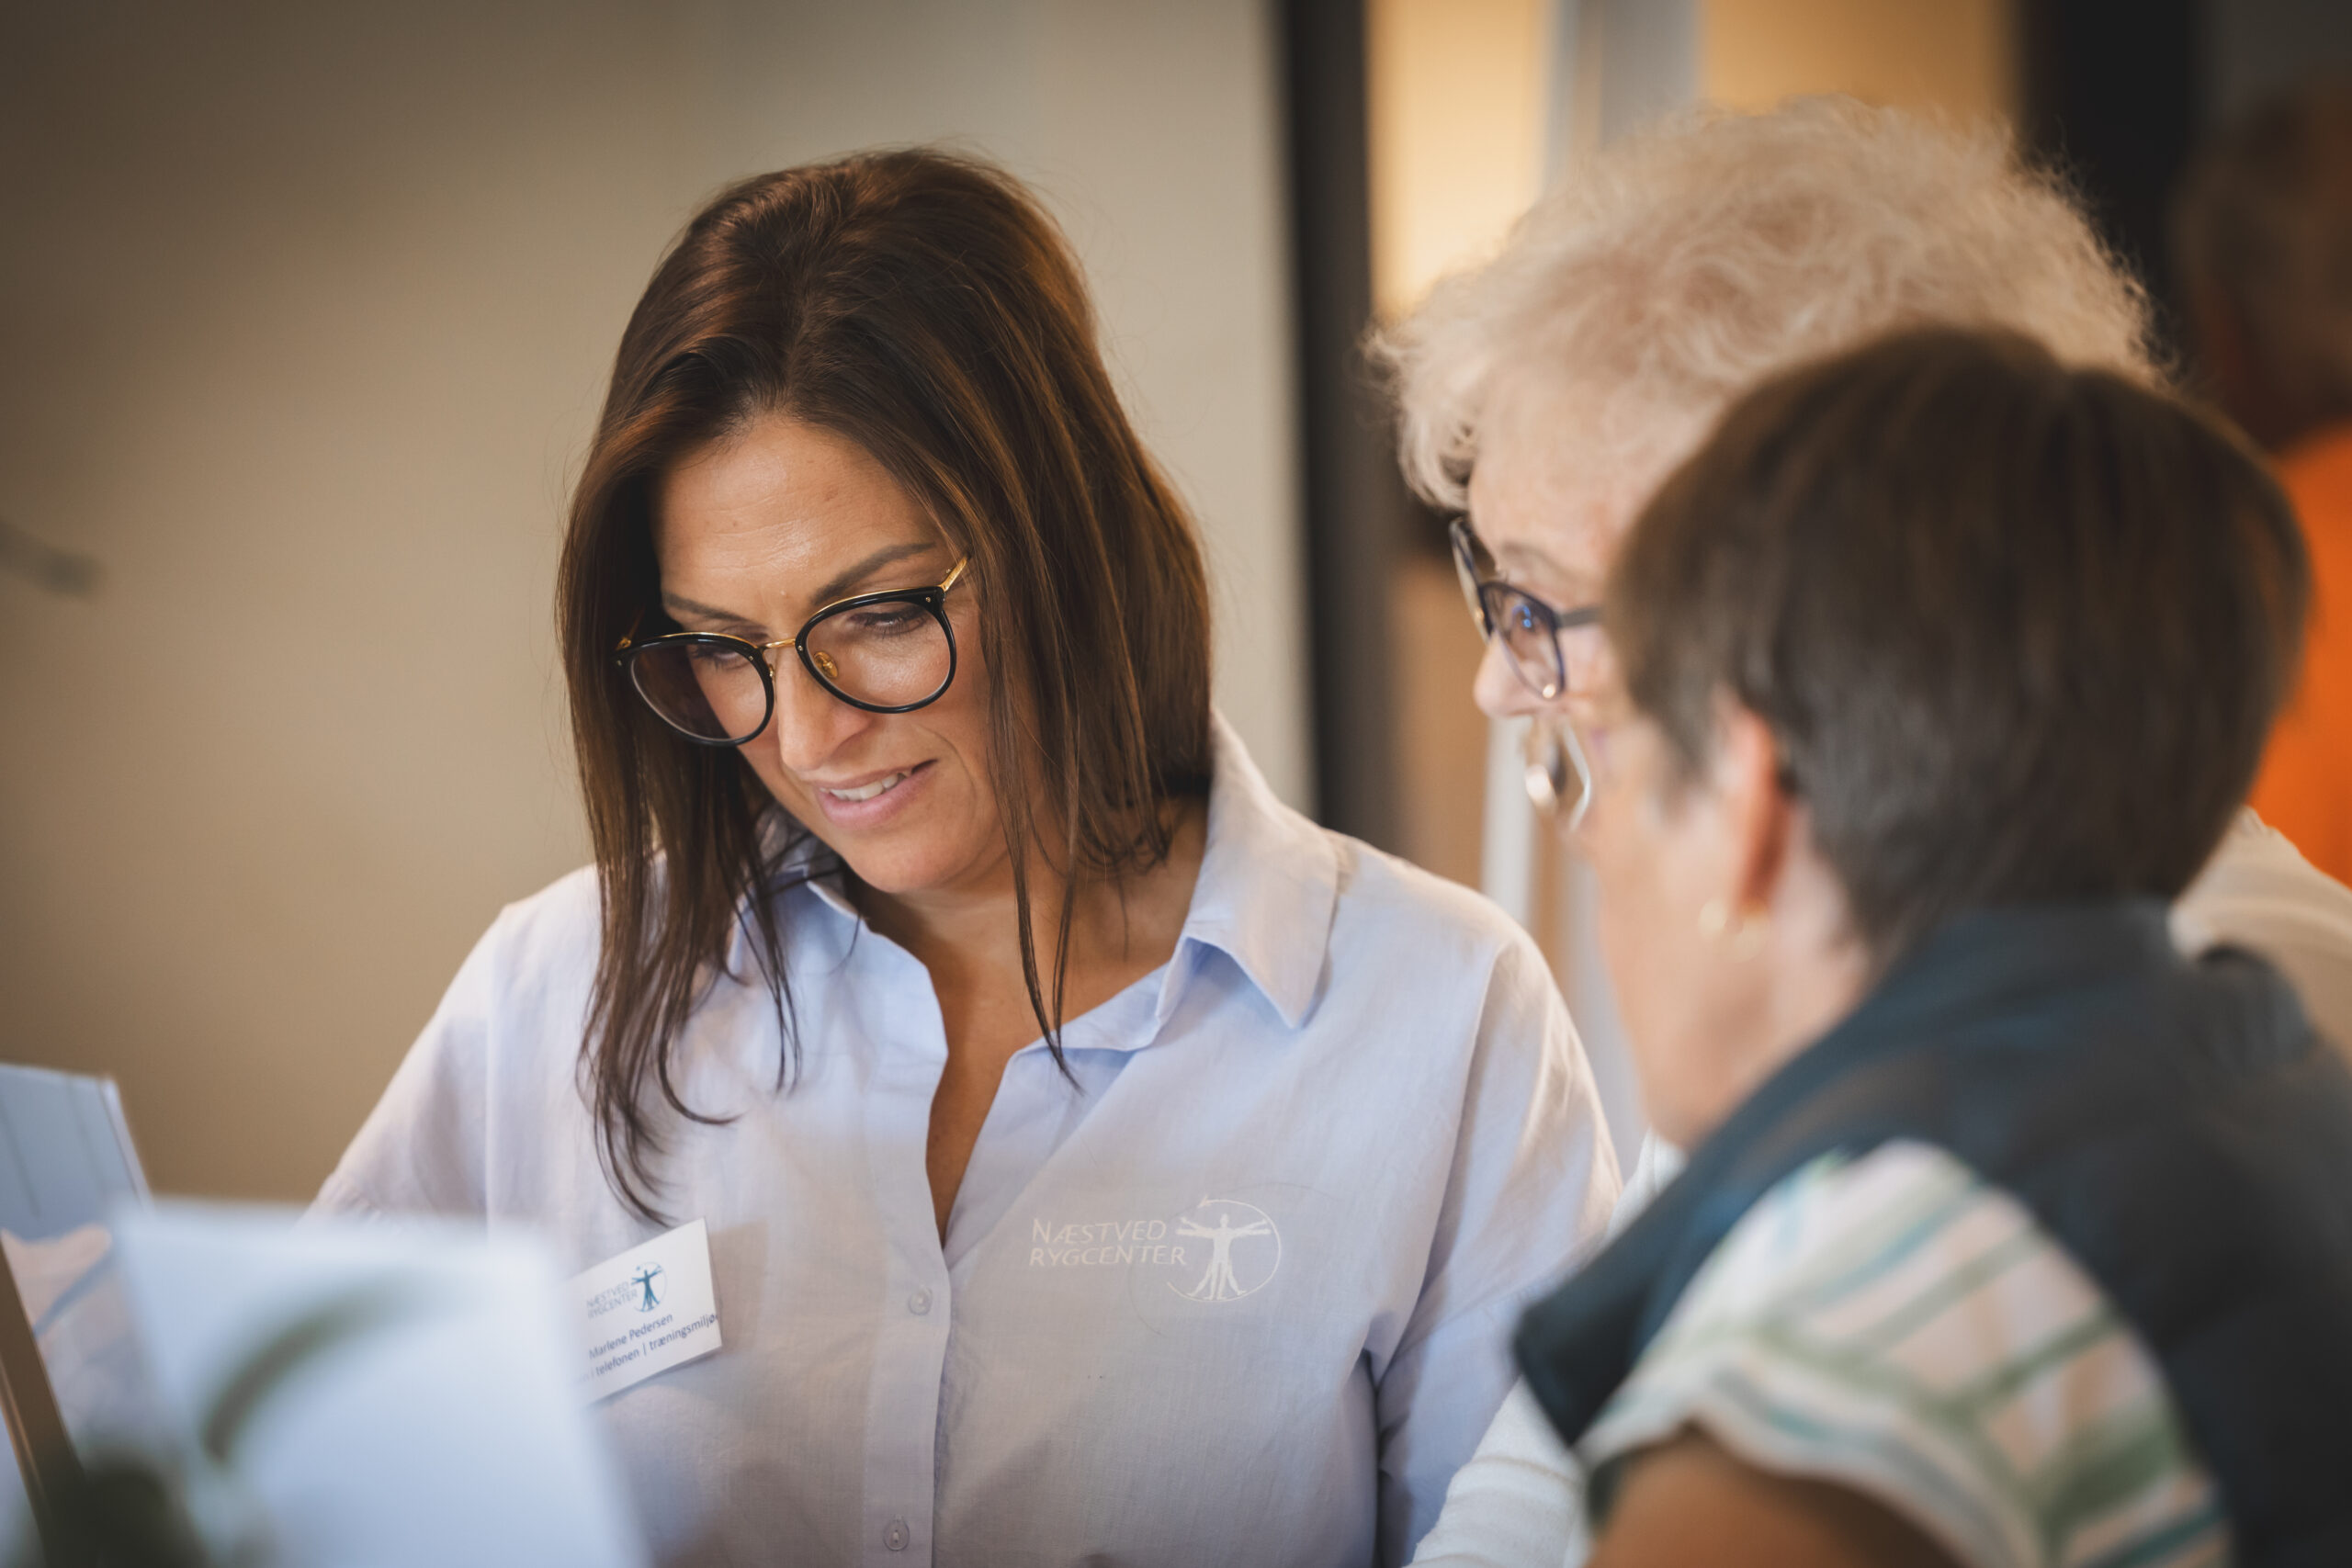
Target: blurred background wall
[(305, 309)]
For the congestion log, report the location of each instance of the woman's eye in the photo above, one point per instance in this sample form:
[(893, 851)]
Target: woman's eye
[(884, 620)]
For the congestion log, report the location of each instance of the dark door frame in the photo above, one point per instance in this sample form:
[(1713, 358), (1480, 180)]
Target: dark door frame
[(1356, 508)]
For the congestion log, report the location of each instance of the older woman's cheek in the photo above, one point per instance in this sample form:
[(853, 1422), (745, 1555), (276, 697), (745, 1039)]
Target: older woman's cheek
[(1643, 948)]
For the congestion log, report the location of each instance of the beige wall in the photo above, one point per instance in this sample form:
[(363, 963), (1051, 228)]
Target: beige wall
[(303, 315)]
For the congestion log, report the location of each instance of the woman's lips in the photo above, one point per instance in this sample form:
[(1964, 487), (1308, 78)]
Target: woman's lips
[(868, 792), (872, 801)]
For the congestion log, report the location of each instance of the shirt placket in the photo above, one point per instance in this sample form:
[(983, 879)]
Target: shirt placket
[(911, 1335)]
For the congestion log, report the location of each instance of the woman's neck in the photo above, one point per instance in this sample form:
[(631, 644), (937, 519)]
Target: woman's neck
[(969, 934), (1808, 971), (970, 939)]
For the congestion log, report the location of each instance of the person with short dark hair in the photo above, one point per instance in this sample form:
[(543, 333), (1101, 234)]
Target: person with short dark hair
[(2263, 232), (1100, 1162), (1546, 393), (2009, 1235)]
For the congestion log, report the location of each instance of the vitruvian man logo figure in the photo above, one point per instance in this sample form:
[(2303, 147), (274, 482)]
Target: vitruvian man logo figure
[(643, 1279), (1232, 1272)]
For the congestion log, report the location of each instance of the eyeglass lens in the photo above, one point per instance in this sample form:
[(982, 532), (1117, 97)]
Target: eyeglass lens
[(894, 654), (1525, 626), (712, 690), (1528, 634)]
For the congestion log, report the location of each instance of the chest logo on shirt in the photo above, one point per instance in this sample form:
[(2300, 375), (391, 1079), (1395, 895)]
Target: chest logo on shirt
[(1219, 1250)]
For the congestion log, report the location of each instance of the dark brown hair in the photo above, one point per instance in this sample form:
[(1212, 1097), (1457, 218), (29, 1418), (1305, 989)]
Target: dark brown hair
[(924, 307), (2019, 630)]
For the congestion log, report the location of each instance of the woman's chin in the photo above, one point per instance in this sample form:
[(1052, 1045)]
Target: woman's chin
[(908, 864)]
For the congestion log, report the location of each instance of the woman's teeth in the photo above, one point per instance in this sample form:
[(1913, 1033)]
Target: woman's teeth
[(868, 792)]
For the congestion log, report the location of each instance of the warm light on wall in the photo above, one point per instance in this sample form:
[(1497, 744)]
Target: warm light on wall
[(1456, 91), (1953, 55), (1458, 99)]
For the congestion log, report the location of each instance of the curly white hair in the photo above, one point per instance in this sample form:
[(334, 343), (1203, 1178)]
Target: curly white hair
[(1679, 266)]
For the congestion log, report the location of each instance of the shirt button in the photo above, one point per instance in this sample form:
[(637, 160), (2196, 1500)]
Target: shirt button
[(919, 1303), (893, 1535)]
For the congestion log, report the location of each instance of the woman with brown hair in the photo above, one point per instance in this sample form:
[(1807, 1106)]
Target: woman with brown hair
[(1098, 1160)]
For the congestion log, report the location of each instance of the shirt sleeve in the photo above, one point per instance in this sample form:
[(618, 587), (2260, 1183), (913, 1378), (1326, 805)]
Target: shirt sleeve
[(1518, 1504), (1519, 1501), (1531, 1185), (1654, 1169), (2260, 894), (422, 1149), (1898, 1327)]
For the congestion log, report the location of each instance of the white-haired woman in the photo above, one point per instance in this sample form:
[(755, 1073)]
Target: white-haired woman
[(1547, 393)]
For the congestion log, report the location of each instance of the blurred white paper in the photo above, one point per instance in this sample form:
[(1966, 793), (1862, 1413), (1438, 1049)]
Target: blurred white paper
[(384, 1393)]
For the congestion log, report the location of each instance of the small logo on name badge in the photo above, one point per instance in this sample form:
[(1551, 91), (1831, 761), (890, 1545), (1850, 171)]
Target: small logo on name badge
[(643, 1279), (1243, 1251)]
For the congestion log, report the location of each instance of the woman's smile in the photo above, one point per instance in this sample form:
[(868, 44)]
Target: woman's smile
[(872, 800)]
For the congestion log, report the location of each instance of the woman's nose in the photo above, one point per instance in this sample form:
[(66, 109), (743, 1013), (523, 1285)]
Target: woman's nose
[(810, 723), (1498, 688)]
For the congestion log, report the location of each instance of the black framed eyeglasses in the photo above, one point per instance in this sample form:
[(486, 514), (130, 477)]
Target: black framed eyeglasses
[(890, 653), (1528, 629)]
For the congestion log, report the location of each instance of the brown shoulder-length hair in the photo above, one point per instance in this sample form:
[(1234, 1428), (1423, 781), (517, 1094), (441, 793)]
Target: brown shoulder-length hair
[(923, 306)]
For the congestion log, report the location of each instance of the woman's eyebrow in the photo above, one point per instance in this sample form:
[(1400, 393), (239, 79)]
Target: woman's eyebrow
[(841, 583), (679, 606), (1516, 557), (1522, 552), (837, 587)]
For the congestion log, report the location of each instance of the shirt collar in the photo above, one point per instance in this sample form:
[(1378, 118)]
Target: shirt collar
[(811, 864), (804, 865), (1268, 889)]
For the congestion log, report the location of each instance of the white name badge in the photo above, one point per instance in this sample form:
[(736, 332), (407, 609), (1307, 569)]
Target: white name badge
[(648, 1309)]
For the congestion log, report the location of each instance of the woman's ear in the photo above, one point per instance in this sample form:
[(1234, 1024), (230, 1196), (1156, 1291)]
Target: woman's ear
[(1757, 812)]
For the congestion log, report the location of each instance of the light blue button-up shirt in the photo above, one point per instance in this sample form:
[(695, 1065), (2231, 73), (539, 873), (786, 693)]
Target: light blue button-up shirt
[(1240, 1295)]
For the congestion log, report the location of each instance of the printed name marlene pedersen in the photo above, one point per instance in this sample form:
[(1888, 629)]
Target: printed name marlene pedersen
[(639, 1332)]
